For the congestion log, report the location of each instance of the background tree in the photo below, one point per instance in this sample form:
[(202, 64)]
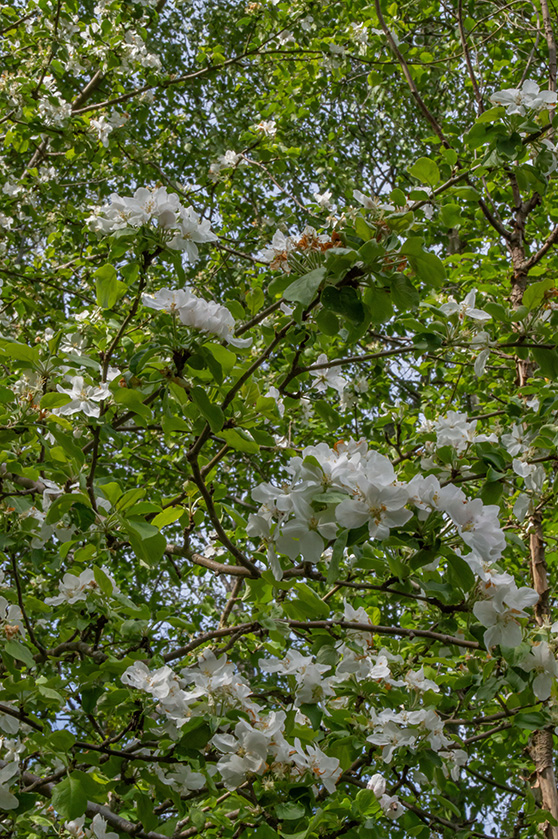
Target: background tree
[(278, 420)]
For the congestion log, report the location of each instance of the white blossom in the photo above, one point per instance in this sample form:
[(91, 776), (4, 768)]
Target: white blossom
[(500, 615), (267, 127), (83, 398), (197, 313), (75, 589), (323, 199), (99, 830), (103, 126), (542, 661), (327, 377), (529, 97), (465, 309), (181, 227)]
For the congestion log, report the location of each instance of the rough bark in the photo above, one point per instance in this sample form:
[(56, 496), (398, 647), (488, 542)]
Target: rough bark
[(541, 744)]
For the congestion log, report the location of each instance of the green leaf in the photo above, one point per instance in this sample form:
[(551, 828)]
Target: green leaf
[(223, 356), (20, 652), (60, 506), (304, 289), (398, 197), (336, 557), (547, 361), (327, 322), (343, 301), (133, 401), (54, 400), (378, 302), (210, 412), (363, 229), (20, 352), (403, 293), (102, 581), (167, 516), (290, 810), (146, 816), (255, 300), (69, 798), (108, 288), (240, 439), (460, 572), (535, 293), (450, 215), (425, 171), (306, 604), (61, 740), (148, 544), (328, 414), (428, 266)]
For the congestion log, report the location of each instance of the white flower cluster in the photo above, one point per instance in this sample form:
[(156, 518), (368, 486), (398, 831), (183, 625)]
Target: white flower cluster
[(457, 431), (226, 161), (542, 661), (75, 589), (504, 605), (135, 52), (182, 227), (529, 97), (55, 113), (267, 127), (53, 109), (43, 531), (98, 829), (312, 687), (105, 125), (253, 747), (216, 688), (197, 313), (395, 729), (284, 250), (390, 804), (351, 486)]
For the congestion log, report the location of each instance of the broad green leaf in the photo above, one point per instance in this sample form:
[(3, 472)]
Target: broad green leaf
[(19, 651), (239, 439), (168, 516), (69, 798), (427, 265), (336, 557), (102, 581), (133, 401), (54, 400), (343, 301), (209, 410), (451, 215), (304, 289), (426, 171), (535, 293), (327, 322), (19, 352), (378, 301), (108, 287)]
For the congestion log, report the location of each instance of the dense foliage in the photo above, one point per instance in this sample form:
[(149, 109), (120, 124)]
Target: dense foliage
[(278, 419)]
